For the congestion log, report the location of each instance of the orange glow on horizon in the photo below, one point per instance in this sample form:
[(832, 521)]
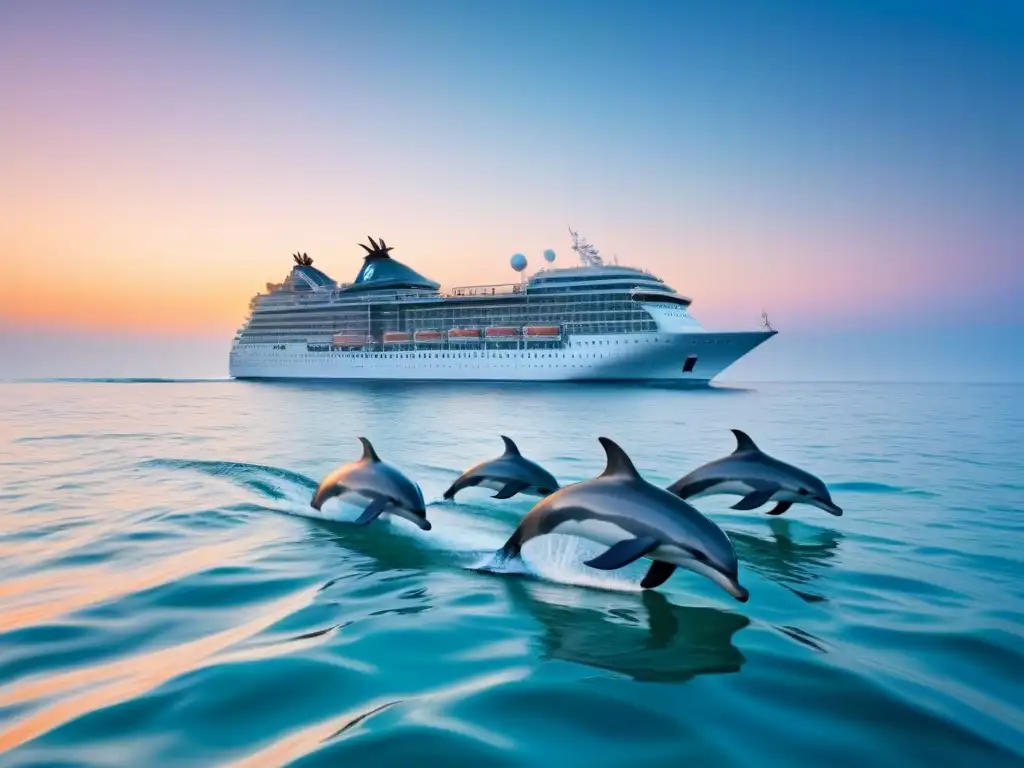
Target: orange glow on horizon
[(155, 182), (182, 273), (190, 295)]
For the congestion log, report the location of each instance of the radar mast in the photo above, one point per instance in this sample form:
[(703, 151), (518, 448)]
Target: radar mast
[(589, 257)]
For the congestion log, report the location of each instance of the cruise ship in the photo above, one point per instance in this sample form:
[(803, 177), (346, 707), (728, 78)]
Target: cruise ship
[(594, 321)]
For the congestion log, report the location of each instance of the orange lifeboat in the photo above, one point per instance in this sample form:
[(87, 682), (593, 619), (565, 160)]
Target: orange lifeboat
[(464, 334), (543, 331), (351, 340), (429, 337), (397, 337), (501, 332)]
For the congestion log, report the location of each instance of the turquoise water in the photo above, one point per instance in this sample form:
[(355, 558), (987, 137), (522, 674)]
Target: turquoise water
[(163, 600)]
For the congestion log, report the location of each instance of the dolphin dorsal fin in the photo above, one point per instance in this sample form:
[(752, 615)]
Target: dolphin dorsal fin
[(743, 442), (368, 452), (510, 447), (618, 462)]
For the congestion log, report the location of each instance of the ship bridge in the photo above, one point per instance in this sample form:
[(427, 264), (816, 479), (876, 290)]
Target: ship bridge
[(642, 285)]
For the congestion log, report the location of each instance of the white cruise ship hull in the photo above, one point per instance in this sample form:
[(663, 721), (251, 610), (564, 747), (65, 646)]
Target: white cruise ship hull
[(692, 358)]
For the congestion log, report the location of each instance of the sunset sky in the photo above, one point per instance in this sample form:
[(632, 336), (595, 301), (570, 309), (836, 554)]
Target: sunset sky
[(843, 165)]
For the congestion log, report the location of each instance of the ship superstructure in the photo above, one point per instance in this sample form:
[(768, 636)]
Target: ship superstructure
[(590, 322)]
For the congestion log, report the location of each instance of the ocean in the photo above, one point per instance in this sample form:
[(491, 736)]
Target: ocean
[(169, 598)]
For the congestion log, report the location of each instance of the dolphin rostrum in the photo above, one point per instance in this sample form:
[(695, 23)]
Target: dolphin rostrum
[(635, 519), (379, 487), (758, 478), (508, 474)]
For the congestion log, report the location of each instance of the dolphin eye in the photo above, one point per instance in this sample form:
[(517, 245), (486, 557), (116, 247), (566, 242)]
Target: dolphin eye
[(803, 491), (699, 556)]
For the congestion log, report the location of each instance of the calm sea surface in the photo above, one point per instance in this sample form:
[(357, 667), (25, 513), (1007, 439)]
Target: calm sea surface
[(165, 599)]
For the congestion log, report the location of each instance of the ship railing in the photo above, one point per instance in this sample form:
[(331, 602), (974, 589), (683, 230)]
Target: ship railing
[(641, 270), (499, 289), (380, 296)]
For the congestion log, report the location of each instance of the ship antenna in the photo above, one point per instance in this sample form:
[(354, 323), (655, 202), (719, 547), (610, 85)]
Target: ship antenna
[(764, 321), (589, 256)]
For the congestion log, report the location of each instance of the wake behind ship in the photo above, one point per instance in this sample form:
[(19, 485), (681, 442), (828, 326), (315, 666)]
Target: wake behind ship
[(591, 322)]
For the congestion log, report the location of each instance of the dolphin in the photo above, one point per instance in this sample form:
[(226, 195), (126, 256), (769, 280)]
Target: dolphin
[(758, 478), (378, 486), (508, 474), (634, 519)]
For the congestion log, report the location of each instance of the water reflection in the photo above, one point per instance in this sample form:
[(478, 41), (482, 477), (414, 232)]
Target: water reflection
[(370, 388), (783, 560), (644, 636), (383, 548)]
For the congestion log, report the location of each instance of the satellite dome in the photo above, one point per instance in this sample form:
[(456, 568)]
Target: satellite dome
[(518, 262), (549, 255)]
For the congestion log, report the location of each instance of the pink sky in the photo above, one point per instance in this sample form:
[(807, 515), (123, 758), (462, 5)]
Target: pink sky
[(160, 167)]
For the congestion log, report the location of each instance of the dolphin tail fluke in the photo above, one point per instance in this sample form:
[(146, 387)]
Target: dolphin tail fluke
[(684, 488), (510, 447), (372, 512), (679, 489), (326, 491), (511, 489), (624, 553), (512, 549), (454, 488), (461, 484), (779, 508), (657, 574), (755, 499)]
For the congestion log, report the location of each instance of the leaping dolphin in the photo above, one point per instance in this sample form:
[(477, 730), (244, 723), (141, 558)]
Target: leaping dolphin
[(377, 486), (635, 519), (508, 474), (758, 478)]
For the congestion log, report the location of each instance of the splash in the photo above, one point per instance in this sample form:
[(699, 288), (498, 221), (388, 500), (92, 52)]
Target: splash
[(558, 559)]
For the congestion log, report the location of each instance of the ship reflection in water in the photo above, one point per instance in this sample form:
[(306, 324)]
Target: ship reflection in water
[(644, 637)]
